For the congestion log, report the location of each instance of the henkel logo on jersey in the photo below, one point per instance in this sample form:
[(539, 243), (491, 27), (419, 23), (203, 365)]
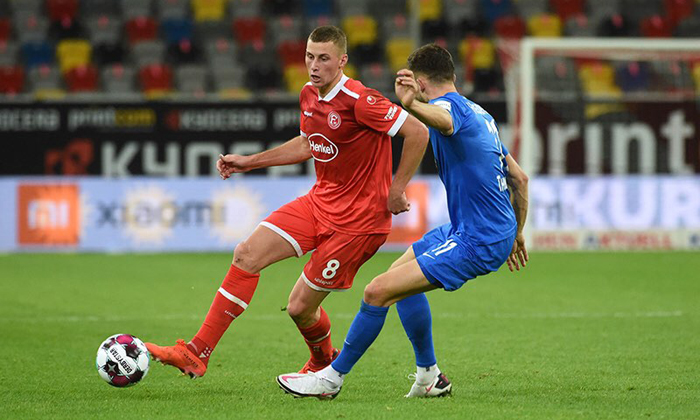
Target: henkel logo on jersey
[(334, 120), (48, 214), (322, 149)]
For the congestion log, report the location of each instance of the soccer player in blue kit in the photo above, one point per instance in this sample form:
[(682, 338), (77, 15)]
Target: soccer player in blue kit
[(485, 229)]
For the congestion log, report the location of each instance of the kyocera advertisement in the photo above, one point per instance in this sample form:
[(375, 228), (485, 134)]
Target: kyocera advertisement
[(208, 214)]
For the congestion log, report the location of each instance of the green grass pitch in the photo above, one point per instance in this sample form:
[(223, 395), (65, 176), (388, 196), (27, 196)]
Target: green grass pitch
[(574, 336)]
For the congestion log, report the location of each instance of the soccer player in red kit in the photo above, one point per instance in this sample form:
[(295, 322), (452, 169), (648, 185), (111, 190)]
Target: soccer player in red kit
[(346, 128)]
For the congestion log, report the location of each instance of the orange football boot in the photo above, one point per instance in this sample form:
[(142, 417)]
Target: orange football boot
[(179, 356), (310, 366)]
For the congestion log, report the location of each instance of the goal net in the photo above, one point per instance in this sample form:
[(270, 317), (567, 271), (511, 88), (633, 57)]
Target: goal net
[(609, 129)]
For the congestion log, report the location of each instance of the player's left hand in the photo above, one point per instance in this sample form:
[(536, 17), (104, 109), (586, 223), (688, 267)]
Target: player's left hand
[(405, 87), (398, 202), (518, 256)]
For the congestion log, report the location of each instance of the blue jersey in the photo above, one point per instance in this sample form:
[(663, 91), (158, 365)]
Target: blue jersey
[(472, 165)]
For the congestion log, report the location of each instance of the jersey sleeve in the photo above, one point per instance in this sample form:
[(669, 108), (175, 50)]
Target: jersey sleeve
[(302, 117), (378, 113), (504, 149), (458, 117)]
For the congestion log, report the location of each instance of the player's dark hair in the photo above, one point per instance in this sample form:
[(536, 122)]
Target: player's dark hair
[(434, 62), (332, 34)]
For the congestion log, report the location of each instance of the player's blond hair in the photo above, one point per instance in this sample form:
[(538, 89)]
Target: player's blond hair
[(329, 33)]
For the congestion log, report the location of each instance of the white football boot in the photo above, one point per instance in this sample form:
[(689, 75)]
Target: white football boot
[(440, 387), (312, 384)]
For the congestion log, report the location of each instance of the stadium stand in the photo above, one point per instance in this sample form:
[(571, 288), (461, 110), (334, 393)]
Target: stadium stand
[(233, 48)]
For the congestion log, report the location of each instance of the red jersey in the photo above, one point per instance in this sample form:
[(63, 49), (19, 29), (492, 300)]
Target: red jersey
[(348, 132)]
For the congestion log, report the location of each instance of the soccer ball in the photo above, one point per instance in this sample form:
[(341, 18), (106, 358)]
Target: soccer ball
[(122, 360)]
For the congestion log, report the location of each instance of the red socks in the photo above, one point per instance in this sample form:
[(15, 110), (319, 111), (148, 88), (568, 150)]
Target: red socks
[(318, 338), (230, 301)]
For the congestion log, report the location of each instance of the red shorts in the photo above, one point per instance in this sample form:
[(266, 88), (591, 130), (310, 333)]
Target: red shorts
[(338, 256)]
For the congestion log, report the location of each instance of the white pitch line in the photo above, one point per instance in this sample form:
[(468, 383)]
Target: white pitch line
[(344, 315)]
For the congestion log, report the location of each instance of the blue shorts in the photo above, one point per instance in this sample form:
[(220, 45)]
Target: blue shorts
[(448, 258)]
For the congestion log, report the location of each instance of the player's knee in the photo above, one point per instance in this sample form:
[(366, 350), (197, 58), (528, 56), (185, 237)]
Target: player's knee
[(299, 311), (375, 293), (244, 259)]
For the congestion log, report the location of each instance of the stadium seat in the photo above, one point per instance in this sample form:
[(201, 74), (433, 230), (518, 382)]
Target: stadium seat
[(132, 9), (5, 29), (567, 8), (315, 8), (118, 79), (347, 8), (555, 74), (457, 11), (688, 28), (230, 79), (103, 54), (493, 9), (184, 52), (396, 26), (314, 22), (368, 53), (221, 48), (292, 52), (37, 54), (295, 77), (283, 7), (66, 28), (191, 79), (633, 76), (383, 9), (614, 26), (349, 70), (488, 80), (672, 76), (8, 54), (104, 29), (635, 11), (141, 29), (598, 79), (246, 8), (249, 30), (61, 9), (207, 10), (147, 53), (382, 78), (397, 51), (510, 27), (696, 76), (580, 26), (156, 80), (73, 53), (33, 7), (434, 30), (173, 9), (82, 79), (263, 77), (655, 27), (429, 10), (210, 30), (677, 10), (176, 30), (11, 79), (546, 25), (31, 28), (477, 53), (45, 78), (94, 8), (286, 28), (360, 30)]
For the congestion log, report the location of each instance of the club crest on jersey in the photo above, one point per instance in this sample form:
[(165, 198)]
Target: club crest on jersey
[(322, 149), (334, 120), (371, 100)]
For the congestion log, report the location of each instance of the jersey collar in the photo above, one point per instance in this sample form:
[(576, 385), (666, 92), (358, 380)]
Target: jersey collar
[(333, 92)]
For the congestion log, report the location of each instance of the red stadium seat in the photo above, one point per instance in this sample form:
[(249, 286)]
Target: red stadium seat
[(292, 52), (677, 10), (61, 9), (156, 78), (141, 29), (249, 30), (82, 79), (11, 79), (567, 8), (5, 29), (656, 27), (510, 27)]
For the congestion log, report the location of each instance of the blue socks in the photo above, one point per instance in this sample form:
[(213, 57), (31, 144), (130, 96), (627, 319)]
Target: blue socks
[(414, 312), (363, 331)]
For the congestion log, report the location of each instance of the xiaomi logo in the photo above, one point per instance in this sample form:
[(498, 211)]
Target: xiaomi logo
[(48, 214)]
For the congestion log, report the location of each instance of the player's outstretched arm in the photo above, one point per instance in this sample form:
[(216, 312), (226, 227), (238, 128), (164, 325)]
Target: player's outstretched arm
[(294, 151), (415, 140), (406, 89), (518, 182)]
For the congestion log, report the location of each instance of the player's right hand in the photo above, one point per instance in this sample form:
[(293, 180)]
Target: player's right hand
[(518, 256), (398, 202), (231, 164), (405, 87)]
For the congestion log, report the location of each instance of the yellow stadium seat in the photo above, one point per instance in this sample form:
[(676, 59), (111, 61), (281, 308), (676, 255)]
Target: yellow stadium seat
[(429, 9), (208, 9), (73, 53), (478, 53), (544, 26), (350, 71), (696, 76), (360, 30), (295, 77), (49, 94), (598, 81), (397, 51), (235, 93), (157, 94)]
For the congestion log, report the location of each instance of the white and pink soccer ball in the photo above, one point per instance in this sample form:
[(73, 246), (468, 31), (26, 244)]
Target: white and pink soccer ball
[(122, 360)]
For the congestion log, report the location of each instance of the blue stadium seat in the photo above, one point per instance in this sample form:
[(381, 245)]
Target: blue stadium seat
[(38, 54)]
